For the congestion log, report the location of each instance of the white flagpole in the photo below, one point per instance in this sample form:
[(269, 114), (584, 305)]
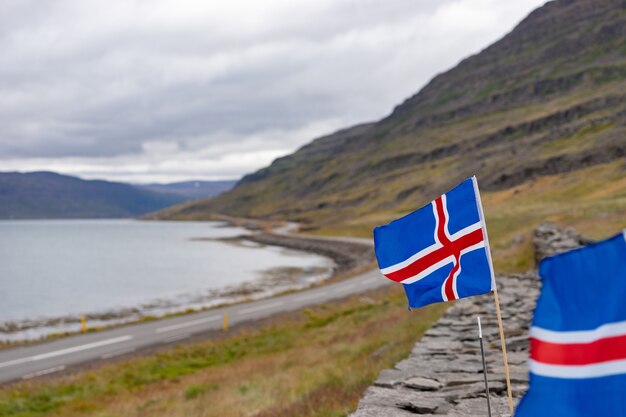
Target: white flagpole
[(495, 293), (506, 361), (482, 355)]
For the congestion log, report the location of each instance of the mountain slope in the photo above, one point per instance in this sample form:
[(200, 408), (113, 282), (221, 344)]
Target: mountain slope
[(545, 103), (51, 195)]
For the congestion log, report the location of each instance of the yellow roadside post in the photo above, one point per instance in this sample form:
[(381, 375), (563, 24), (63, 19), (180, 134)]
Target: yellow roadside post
[(225, 322), (83, 323)]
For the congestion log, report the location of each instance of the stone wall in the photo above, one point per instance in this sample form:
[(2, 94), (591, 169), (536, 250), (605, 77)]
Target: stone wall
[(550, 239), (443, 374)]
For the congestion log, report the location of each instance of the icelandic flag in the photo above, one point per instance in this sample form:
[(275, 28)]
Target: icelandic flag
[(439, 252), (578, 335)]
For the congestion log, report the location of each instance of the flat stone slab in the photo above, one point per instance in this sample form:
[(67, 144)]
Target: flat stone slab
[(422, 384)]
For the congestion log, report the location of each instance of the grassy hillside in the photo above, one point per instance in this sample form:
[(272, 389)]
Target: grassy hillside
[(539, 117), (37, 195)]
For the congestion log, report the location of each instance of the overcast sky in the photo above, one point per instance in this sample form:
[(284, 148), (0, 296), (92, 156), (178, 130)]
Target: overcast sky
[(168, 90)]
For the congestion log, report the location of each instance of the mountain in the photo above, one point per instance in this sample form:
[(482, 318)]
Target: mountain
[(539, 116), (191, 190), (37, 195)]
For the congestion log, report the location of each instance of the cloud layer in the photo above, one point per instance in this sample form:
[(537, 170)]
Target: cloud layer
[(163, 90)]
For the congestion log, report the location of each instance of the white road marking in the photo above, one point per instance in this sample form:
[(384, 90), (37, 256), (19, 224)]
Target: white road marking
[(15, 362), (82, 347), (44, 372), (66, 351), (310, 296), (117, 353), (186, 324), (260, 308)]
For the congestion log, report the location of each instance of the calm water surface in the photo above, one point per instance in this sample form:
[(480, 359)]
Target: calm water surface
[(52, 268)]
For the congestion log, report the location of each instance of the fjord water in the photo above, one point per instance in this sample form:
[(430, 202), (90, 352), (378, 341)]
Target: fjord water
[(56, 268)]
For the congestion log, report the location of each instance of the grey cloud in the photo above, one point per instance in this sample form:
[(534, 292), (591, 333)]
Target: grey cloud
[(86, 86)]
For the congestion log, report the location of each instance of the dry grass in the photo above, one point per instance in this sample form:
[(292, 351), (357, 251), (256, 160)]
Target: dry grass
[(312, 363), (593, 200)]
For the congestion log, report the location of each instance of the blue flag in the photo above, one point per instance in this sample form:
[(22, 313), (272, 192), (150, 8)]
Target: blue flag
[(439, 252), (578, 335)]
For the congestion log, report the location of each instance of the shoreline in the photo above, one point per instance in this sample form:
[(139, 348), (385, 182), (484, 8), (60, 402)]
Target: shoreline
[(348, 259)]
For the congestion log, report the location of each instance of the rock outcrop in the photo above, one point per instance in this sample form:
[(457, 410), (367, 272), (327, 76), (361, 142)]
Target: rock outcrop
[(443, 374)]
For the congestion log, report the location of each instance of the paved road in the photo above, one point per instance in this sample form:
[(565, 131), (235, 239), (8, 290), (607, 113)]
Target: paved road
[(41, 359)]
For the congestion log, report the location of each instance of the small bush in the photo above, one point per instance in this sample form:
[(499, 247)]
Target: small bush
[(196, 390)]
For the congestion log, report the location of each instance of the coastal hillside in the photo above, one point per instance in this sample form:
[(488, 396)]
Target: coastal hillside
[(539, 117), (38, 195)]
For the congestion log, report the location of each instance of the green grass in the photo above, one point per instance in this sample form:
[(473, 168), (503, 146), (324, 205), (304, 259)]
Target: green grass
[(196, 390), (582, 138)]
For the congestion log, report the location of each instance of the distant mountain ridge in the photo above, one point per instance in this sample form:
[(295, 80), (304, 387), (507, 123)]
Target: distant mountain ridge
[(191, 190), (547, 99), (37, 195)]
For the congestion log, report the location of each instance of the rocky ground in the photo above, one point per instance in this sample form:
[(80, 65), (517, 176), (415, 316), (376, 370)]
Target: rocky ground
[(443, 375)]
